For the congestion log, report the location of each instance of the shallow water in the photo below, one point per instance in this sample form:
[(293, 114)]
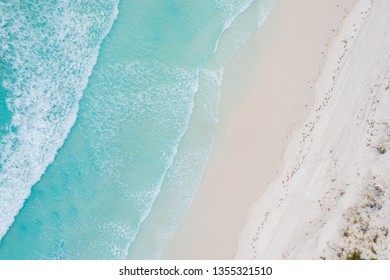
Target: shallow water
[(131, 163)]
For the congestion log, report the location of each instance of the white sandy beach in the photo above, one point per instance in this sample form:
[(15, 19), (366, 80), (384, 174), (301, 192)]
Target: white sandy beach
[(299, 168)]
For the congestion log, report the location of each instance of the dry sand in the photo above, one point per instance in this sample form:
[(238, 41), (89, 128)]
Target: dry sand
[(275, 95), (332, 198)]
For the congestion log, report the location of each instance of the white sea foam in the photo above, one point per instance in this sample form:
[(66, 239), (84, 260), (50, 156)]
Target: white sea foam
[(166, 104), (185, 171), (264, 11), (232, 10), (179, 182), (47, 52), (236, 30)]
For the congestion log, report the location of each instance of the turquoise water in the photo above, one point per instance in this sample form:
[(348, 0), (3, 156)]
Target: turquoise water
[(108, 111)]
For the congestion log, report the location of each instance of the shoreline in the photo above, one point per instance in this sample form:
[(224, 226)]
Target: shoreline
[(264, 99), (331, 200)]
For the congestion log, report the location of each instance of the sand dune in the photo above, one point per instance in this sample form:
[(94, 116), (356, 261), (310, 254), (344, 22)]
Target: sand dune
[(299, 168)]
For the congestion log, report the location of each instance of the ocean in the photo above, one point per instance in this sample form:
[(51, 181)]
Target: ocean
[(107, 114)]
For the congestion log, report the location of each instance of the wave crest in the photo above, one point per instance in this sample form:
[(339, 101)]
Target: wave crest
[(47, 53)]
